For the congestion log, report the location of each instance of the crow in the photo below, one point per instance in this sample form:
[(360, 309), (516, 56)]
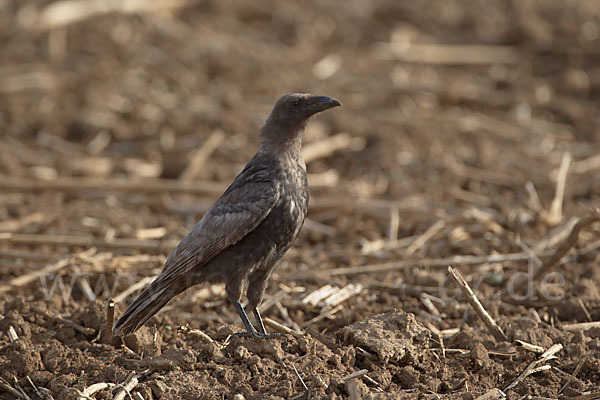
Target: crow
[(245, 234)]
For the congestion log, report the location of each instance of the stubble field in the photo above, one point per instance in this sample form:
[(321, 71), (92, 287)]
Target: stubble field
[(469, 138)]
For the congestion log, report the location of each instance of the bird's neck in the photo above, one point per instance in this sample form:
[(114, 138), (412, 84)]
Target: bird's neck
[(281, 139)]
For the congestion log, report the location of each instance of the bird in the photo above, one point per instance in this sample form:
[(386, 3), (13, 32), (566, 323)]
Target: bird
[(245, 234)]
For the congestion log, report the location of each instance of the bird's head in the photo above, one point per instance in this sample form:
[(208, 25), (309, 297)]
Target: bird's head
[(295, 109), (289, 118)]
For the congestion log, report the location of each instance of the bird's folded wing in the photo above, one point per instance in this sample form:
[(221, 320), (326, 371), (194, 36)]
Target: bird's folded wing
[(239, 211)]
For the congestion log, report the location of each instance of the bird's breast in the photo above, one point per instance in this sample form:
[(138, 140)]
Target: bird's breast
[(287, 217)]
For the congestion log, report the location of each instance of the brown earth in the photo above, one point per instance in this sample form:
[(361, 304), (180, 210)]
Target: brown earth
[(118, 129)]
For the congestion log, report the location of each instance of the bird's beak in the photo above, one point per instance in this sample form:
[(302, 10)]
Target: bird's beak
[(322, 103)]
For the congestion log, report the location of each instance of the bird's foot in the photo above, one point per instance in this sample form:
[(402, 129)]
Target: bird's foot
[(258, 335), (251, 331)]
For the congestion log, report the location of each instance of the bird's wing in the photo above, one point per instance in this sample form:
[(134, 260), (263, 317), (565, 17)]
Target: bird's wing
[(244, 205)]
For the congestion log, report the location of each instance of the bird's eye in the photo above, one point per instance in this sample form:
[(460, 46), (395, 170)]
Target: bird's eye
[(295, 103)]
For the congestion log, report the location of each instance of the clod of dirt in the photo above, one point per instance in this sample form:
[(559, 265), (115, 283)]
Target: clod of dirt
[(242, 348), (527, 330), (159, 388), (15, 319), (19, 358), (144, 390), (142, 342), (241, 353), (407, 377), (18, 303), (391, 336), (92, 316), (53, 356), (479, 354), (170, 359), (463, 339)]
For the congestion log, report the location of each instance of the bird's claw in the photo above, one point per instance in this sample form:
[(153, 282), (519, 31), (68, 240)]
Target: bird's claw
[(258, 335)]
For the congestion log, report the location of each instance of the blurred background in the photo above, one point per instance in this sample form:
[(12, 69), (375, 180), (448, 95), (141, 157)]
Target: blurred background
[(449, 106), (468, 128), (454, 102), (444, 97)]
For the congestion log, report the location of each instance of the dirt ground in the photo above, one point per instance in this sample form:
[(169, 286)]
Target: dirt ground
[(469, 137)]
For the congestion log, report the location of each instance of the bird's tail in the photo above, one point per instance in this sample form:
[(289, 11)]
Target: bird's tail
[(148, 303)]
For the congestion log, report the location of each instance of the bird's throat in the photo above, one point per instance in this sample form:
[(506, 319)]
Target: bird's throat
[(281, 139)]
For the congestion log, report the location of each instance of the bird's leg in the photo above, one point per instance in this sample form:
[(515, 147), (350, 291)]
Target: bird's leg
[(261, 326), (250, 330)]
